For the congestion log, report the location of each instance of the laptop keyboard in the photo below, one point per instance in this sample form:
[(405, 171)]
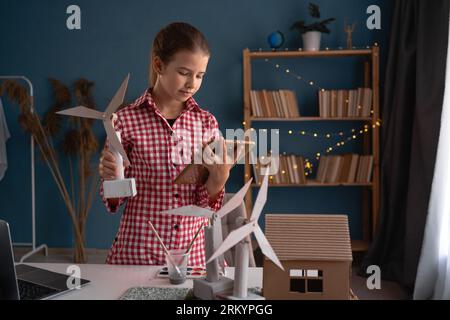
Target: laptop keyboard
[(32, 291)]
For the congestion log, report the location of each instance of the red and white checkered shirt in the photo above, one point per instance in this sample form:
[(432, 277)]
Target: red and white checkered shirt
[(153, 148)]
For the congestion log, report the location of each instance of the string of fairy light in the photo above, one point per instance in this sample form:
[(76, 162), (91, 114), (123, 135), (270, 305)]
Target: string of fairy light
[(349, 136), (344, 137)]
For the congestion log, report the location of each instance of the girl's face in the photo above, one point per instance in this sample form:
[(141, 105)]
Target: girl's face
[(182, 77)]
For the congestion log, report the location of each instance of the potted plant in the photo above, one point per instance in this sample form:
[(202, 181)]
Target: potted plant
[(311, 33)]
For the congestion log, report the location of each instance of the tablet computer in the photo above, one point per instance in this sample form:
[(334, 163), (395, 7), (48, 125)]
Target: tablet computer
[(198, 173)]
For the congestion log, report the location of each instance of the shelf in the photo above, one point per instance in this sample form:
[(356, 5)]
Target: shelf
[(321, 53), (310, 119), (316, 184), (360, 245), (369, 58)]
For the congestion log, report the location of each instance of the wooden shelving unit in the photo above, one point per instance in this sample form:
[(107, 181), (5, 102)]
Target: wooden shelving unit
[(371, 191)]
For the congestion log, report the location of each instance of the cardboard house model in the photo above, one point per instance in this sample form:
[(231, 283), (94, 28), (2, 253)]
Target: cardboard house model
[(316, 253)]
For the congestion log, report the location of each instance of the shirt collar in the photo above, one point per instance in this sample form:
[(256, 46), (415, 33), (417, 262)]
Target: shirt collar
[(146, 99)]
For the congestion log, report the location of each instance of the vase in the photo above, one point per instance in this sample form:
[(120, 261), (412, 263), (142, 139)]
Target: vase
[(311, 41)]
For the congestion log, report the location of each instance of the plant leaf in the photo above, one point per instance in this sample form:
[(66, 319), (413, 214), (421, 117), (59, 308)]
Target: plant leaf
[(314, 10)]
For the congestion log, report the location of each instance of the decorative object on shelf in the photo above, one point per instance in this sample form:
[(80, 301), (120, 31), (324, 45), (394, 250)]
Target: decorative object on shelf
[(349, 29), (79, 142), (275, 39), (340, 48), (311, 33)]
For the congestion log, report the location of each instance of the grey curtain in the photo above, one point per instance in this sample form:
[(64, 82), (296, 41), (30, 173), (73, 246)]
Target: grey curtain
[(413, 96)]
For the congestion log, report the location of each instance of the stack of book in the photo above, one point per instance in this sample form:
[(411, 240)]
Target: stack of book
[(290, 170), (345, 103), (348, 168), (274, 104)]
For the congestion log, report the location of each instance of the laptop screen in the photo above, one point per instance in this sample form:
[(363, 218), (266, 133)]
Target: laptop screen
[(23, 281), (8, 282)]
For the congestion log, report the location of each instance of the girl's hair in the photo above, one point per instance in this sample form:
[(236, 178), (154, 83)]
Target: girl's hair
[(173, 38)]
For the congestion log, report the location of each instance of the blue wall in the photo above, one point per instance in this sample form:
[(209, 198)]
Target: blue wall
[(116, 38)]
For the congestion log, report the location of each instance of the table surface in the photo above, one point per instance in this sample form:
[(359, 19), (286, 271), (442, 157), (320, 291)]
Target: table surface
[(110, 282)]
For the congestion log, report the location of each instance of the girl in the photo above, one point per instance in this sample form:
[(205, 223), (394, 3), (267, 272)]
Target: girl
[(150, 130)]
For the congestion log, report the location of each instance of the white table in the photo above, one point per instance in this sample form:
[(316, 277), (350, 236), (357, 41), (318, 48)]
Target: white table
[(110, 282)]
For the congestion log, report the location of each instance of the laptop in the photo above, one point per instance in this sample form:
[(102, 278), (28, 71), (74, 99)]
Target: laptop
[(24, 282)]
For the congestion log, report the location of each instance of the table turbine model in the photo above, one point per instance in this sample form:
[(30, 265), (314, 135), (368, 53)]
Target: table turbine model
[(120, 187), (207, 289), (238, 238)]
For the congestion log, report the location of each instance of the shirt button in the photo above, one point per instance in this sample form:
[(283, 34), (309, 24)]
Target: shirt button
[(175, 227), (176, 195)]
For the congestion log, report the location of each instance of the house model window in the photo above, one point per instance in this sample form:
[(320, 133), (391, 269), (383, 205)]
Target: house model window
[(316, 253), (306, 281)]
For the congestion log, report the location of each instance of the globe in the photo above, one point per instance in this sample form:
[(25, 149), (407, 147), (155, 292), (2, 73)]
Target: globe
[(275, 39)]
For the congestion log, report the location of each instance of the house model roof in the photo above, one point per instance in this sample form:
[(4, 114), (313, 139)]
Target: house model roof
[(309, 236)]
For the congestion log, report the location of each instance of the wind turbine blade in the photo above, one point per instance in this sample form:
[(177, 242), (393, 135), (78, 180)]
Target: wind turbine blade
[(190, 211), (233, 238), (111, 133), (260, 199), (117, 100), (82, 112), (266, 248), (235, 201)]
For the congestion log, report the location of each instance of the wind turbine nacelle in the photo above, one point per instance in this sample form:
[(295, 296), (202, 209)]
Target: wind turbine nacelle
[(119, 188)]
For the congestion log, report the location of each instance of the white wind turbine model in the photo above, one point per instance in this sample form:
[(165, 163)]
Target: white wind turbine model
[(238, 238), (207, 289), (112, 188)]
